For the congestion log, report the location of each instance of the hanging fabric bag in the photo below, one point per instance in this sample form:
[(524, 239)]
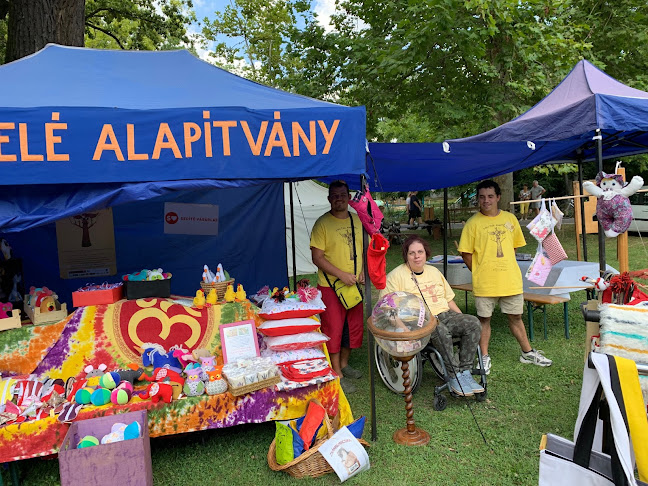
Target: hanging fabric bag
[(556, 213), (554, 249), (540, 267), (542, 223), (368, 211)]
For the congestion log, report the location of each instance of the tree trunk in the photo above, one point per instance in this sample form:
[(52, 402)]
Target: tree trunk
[(506, 185), (34, 23)]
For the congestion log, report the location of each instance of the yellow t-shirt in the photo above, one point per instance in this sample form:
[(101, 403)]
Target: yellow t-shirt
[(492, 240), (434, 287), (334, 237)]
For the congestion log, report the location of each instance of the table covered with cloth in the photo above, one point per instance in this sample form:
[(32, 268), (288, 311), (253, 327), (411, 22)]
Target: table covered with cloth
[(111, 335)]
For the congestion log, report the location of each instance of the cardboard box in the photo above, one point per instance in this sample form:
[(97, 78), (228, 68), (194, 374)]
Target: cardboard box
[(97, 297), (144, 289), (120, 463), (458, 273)]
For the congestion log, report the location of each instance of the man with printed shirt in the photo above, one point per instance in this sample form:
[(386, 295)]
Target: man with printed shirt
[(336, 257), (487, 246)]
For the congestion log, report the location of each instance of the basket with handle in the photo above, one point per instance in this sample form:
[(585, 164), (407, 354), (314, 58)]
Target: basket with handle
[(220, 287), (311, 463)]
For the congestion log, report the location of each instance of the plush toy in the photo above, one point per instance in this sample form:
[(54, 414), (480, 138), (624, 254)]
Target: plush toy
[(37, 294), (230, 295), (216, 384), (155, 355), (184, 356), (193, 386), (136, 276), (240, 293), (159, 392), (199, 299), (212, 297), (5, 309), (207, 363), (613, 207), (14, 295)]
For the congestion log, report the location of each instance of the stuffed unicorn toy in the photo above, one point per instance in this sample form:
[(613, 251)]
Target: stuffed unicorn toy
[(613, 208)]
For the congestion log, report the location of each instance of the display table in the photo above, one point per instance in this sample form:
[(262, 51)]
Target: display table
[(110, 334)]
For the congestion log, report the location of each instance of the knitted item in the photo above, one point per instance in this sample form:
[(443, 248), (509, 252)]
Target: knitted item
[(376, 261)]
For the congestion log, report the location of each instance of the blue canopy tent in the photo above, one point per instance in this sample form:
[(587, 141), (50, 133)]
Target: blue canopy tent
[(84, 129)]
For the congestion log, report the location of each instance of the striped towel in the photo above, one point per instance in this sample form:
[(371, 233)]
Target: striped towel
[(624, 332)]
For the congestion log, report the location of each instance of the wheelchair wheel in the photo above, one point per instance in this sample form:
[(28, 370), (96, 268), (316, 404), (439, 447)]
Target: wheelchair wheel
[(440, 402), (391, 374)]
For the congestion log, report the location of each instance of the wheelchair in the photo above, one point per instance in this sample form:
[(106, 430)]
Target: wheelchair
[(392, 376)]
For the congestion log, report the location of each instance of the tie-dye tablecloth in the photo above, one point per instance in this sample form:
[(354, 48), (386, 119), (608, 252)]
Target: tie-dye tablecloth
[(110, 334)]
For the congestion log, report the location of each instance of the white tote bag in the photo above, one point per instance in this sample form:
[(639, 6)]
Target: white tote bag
[(563, 462)]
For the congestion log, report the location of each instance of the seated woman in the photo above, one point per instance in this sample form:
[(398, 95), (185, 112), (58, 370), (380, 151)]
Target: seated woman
[(418, 278)]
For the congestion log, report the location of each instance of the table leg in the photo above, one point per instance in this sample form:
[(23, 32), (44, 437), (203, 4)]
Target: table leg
[(530, 315), (566, 313), (544, 315)]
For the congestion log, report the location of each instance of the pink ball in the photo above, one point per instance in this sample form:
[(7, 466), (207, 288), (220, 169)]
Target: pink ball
[(126, 385), (120, 396)]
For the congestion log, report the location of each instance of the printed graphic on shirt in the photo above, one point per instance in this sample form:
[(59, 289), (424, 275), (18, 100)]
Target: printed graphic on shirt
[(347, 236), (499, 233)]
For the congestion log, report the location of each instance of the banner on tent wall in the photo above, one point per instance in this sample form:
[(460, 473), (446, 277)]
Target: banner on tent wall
[(190, 219), (86, 245)]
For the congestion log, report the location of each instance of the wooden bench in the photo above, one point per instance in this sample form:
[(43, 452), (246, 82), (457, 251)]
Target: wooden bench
[(533, 302)]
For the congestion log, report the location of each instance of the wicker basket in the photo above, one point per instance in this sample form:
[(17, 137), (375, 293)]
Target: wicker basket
[(220, 287), (259, 385), (310, 464)]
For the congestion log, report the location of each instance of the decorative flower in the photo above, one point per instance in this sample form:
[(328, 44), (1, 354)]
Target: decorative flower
[(306, 294)]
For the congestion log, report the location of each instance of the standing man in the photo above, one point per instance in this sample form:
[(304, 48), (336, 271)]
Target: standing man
[(536, 192), (336, 248), (487, 246), (415, 209)]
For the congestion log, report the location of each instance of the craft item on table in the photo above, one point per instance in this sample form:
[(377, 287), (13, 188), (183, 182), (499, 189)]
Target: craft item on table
[(5, 249), (69, 412), (184, 357), (37, 294), (305, 370), (280, 308), (88, 441), (279, 357), (307, 293), (193, 386), (122, 394), (97, 294), (623, 290), (7, 387), (120, 432), (540, 267), (554, 249), (613, 209), (598, 283), (221, 275), (207, 363), (230, 295), (288, 385), (99, 397), (282, 327), (199, 299), (542, 224), (295, 341), (164, 375), (136, 276), (240, 293), (158, 392), (208, 276), (5, 309), (377, 260), (216, 384), (212, 297), (246, 372), (262, 294), (155, 355)]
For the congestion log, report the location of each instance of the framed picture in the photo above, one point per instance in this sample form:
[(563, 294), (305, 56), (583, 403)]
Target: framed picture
[(239, 341)]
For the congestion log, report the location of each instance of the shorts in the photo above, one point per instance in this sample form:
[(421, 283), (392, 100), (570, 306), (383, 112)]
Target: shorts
[(536, 205), (510, 304), (415, 213), (334, 318)]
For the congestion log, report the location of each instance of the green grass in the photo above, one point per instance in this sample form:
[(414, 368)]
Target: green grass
[(523, 402)]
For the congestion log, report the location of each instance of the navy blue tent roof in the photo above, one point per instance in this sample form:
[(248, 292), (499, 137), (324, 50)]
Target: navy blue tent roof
[(122, 121)]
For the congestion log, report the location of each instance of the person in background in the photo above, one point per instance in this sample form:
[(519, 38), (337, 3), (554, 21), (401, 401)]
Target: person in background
[(336, 249), (487, 246), (416, 211), (536, 191), (407, 202), (525, 195), (418, 278)]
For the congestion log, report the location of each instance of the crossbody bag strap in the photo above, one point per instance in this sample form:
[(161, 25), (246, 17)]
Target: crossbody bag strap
[(355, 255)]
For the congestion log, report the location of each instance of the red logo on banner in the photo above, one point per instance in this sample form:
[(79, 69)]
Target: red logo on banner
[(171, 217)]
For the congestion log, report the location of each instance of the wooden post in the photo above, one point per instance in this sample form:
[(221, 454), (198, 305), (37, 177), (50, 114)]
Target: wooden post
[(622, 240), (577, 222)]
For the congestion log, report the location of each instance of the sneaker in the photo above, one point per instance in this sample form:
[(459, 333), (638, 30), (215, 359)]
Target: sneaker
[(459, 387), (347, 386), (349, 372), (487, 363), (536, 357), (470, 381)]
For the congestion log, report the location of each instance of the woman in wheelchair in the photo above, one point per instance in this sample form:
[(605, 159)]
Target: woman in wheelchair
[(418, 278)]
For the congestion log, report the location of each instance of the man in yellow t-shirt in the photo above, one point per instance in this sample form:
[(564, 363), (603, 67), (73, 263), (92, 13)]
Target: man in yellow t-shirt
[(487, 245), (336, 257)]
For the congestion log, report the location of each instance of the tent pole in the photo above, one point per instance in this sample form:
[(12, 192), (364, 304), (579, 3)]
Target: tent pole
[(601, 235), (368, 307), (445, 232), (292, 237), (581, 201)]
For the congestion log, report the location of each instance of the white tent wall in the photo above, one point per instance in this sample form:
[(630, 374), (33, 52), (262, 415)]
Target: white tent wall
[(310, 201)]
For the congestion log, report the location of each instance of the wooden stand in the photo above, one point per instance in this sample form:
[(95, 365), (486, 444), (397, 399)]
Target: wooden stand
[(38, 317), (410, 435), (12, 322)]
